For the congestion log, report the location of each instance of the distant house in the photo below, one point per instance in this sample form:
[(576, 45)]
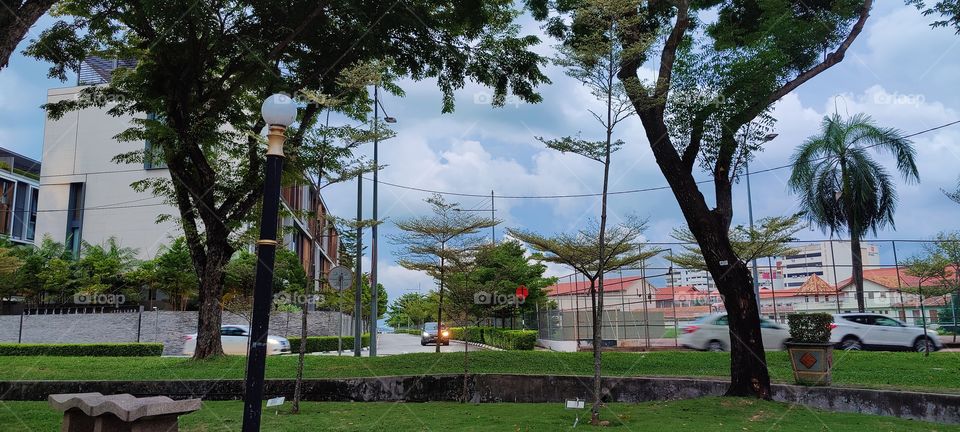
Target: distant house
[(625, 293), (883, 293)]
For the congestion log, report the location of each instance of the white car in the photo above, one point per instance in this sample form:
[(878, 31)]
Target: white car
[(235, 340), (712, 333), (856, 331)]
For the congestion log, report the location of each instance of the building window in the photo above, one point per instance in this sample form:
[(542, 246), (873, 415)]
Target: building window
[(152, 156), (870, 295), (20, 210), (6, 206), (75, 219), (32, 222)]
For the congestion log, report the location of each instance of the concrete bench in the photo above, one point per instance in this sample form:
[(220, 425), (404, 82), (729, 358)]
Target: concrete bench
[(94, 412)]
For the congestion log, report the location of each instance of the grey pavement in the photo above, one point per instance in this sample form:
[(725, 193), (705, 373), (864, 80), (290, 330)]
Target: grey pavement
[(402, 343)]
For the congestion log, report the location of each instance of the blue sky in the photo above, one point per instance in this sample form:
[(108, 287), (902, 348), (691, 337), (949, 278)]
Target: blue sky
[(900, 71)]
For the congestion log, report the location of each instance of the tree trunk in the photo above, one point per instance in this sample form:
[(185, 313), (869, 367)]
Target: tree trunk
[(857, 268), (209, 318), (466, 364), (298, 387), (748, 364), (440, 300), (17, 22), (597, 341)]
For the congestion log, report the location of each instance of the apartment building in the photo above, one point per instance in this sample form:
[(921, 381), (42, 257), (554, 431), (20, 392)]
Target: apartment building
[(830, 260), (84, 196), (19, 193)]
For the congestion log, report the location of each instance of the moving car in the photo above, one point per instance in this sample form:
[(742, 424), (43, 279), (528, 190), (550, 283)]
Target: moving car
[(857, 331), (433, 333), (235, 339), (711, 333)]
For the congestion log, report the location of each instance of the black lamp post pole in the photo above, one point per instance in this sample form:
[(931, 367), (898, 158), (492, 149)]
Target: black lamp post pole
[(263, 287)]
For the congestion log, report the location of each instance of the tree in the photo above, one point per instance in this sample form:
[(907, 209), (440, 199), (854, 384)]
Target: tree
[(926, 268), (770, 238), (203, 88), (10, 263), (103, 268), (947, 245), (173, 273), (436, 243), (720, 65), (16, 18), (954, 195), (412, 310), (949, 11), (583, 252), (504, 267), (842, 188)]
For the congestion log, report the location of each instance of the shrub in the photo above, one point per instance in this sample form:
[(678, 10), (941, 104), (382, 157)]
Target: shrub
[(83, 350), (500, 338), (325, 343), (810, 328)]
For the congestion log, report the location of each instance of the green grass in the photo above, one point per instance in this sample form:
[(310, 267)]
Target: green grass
[(905, 370), (714, 414)]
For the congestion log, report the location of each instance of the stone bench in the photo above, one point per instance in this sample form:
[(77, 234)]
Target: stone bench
[(94, 412)]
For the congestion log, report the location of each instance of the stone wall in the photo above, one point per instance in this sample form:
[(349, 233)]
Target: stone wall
[(167, 327)]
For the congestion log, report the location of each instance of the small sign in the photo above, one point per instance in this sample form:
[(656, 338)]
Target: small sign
[(277, 401), (522, 292), (723, 262), (340, 278), (575, 404)]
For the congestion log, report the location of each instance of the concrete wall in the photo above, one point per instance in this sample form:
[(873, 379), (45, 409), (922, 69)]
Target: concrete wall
[(167, 327), (932, 407)]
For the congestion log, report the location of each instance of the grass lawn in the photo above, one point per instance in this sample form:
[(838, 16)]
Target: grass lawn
[(905, 370), (714, 414)]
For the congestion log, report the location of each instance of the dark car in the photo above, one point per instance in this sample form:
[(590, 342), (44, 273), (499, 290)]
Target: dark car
[(433, 333)]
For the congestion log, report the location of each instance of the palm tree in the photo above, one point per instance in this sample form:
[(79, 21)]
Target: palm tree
[(842, 188)]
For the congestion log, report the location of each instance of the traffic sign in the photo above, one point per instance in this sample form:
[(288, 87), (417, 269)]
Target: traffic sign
[(340, 278), (522, 292)]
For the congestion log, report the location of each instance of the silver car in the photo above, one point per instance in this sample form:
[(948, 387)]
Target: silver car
[(235, 340), (857, 331), (712, 333)]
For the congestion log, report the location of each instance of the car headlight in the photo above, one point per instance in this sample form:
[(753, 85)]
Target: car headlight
[(425, 334), (446, 333)]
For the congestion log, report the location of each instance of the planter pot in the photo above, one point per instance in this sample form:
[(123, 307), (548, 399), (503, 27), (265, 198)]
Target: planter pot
[(811, 362)]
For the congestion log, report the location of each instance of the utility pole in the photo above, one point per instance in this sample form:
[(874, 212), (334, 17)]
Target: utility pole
[(374, 292)]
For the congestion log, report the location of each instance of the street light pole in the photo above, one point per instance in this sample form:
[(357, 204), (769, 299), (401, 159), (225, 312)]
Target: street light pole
[(756, 282), (374, 292), (279, 112), (358, 287)]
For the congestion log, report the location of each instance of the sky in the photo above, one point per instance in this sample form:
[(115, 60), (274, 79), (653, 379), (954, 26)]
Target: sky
[(899, 71)]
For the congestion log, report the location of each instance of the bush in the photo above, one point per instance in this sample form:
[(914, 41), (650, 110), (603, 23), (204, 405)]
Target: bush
[(810, 328), (500, 338), (325, 343), (83, 350)]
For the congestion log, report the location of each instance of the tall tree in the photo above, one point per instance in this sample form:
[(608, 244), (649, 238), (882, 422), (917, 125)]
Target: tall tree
[(411, 310), (16, 18), (438, 242), (203, 68), (719, 65), (842, 188), (582, 251), (934, 268), (947, 245), (504, 267)]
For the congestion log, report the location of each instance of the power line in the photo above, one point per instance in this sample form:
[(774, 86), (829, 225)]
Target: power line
[(623, 192)]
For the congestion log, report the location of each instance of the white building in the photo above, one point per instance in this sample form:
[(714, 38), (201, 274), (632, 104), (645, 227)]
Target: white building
[(831, 261), (86, 197)]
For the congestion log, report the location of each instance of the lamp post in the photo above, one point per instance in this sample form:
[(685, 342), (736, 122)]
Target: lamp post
[(374, 293), (279, 111), (756, 283)]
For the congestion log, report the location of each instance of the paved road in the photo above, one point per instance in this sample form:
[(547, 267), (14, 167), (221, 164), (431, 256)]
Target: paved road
[(390, 343)]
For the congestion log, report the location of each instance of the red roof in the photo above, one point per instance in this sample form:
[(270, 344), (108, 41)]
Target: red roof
[(888, 277), (930, 301), (779, 293), (816, 286), (583, 287)]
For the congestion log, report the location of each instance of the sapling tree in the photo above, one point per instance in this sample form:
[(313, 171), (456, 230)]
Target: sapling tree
[(621, 248), (434, 243)]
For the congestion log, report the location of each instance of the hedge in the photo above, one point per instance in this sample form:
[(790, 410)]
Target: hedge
[(325, 343), (500, 338), (810, 328), (83, 350)]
